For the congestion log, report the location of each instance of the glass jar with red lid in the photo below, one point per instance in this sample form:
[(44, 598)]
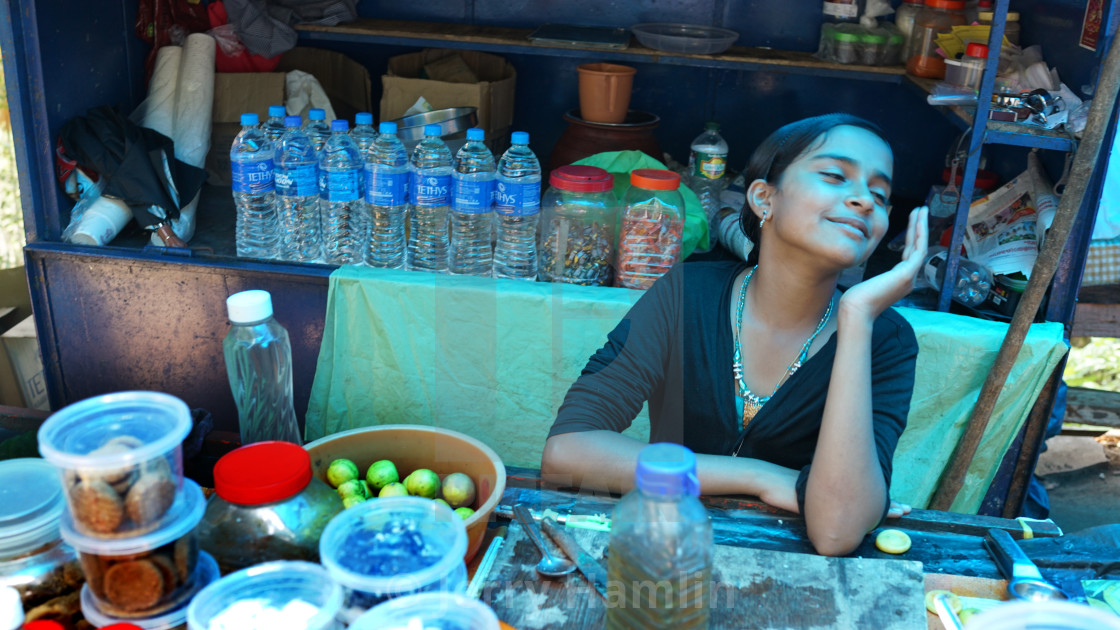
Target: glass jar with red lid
[(652, 230), (579, 213), (936, 17), (267, 505)]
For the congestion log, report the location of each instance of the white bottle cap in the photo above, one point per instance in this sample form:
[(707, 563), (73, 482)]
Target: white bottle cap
[(11, 609), (249, 306)]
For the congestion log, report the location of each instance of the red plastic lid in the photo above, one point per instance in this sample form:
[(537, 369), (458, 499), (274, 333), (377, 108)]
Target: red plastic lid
[(50, 624), (120, 626), (952, 5), (262, 473), (985, 180), (976, 50), (578, 178), (655, 179)]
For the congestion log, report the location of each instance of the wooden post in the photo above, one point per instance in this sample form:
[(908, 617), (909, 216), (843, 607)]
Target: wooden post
[(1044, 267)]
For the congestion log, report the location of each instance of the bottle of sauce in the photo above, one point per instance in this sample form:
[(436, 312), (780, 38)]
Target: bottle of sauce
[(938, 16)]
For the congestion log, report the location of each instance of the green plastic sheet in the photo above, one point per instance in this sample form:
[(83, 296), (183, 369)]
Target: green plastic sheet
[(620, 163), (493, 358)]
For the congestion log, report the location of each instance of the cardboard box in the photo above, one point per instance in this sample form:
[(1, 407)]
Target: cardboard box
[(346, 82), (492, 95), (22, 347)]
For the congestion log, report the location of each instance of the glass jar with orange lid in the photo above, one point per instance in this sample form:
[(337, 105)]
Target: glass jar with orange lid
[(936, 17), (652, 230)]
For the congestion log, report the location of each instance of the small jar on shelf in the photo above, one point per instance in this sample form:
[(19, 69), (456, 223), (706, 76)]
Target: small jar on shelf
[(652, 228), (937, 17), (579, 214)]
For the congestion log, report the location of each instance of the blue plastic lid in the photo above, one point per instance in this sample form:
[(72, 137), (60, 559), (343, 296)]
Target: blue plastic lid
[(519, 137), (432, 130), (250, 120), (275, 111), (363, 118), (316, 114), (339, 125), (474, 134), (667, 469), (387, 127), (293, 121)]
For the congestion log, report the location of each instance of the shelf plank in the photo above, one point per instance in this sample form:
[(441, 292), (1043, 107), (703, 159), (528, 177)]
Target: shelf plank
[(500, 39), (999, 132)]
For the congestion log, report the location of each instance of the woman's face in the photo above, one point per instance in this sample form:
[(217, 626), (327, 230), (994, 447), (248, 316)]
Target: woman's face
[(831, 202)]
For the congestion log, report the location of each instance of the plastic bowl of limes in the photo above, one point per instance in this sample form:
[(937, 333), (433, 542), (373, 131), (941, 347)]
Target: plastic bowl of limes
[(428, 462)]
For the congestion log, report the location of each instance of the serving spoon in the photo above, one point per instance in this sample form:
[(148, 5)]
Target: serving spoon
[(549, 566)]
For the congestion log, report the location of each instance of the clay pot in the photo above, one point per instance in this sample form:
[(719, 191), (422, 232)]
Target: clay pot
[(604, 91), (583, 138)]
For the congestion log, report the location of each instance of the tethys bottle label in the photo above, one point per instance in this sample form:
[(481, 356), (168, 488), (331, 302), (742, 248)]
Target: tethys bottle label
[(252, 177), (431, 190), (709, 165), (341, 185), (386, 189), (472, 196), (517, 198), (297, 181)]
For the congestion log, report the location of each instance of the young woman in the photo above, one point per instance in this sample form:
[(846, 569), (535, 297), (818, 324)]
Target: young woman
[(784, 387)]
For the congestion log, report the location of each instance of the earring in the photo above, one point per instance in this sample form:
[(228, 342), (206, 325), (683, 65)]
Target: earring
[(765, 215)]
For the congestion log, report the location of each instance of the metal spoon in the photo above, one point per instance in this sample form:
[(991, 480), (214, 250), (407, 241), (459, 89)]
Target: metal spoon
[(1026, 581), (549, 566)]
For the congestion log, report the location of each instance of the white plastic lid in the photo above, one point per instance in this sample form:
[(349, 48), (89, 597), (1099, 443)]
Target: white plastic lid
[(429, 609), (277, 582), (180, 519), (206, 572), (249, 306), (30, 505), (11, 609)]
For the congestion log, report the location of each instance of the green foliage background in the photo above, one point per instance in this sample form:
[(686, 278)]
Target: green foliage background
[(1094, 363), (11, 213)]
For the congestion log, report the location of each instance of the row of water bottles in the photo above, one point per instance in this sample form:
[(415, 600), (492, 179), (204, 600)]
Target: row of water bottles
[(342, 196)]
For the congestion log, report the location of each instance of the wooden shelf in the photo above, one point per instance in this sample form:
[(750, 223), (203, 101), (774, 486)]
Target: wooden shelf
[(999, 132), (497, 39)]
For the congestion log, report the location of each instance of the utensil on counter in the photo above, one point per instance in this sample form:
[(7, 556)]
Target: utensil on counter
[(549, 566), (948, 618), (451, 120), (590, 567), (1026, 582)]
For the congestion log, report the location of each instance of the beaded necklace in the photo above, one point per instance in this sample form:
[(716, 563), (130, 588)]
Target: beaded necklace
[(752, 404)]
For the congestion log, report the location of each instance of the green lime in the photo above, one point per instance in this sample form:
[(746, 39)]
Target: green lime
[(464, 512), (349, 502), (458, 490), (382, 473), (395, 489), (353, 488), (444, 502), (422, 483), (340, 471)]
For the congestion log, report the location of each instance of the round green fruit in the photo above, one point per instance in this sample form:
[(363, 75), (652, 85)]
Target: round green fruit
[(458, 490), (382, 473), (395, 489), (340, 471), (422, 483)]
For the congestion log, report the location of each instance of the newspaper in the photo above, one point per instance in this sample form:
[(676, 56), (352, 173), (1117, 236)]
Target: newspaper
[(1003, 229)]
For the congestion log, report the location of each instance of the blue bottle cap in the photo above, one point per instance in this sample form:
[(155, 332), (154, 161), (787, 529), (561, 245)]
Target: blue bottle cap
[(474, 134), (293, 121), (250, 120), (387, 127), (432, 130), (339, 125), (316, 114), (275, 111), (363, 118), (667, 469), (519, 137)]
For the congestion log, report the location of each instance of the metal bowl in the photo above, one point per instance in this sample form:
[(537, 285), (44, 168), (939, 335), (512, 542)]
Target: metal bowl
[(451, 120)]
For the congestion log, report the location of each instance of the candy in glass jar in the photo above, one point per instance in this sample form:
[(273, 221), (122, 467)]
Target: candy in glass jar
[(652, 230), (579, 214)]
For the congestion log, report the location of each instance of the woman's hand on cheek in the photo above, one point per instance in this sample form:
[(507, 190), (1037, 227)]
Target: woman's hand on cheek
[(874, 295)]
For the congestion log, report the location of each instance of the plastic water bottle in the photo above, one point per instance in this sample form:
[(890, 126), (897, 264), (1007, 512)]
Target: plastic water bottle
[(472, 216), (517, 203), (974, 281), (340, 198), (275, 126), (297, 195), (258, 234), (661, 536), (258, 358), (386, 164), (317, 127), (707, 163), (363, 133), (429, 196)]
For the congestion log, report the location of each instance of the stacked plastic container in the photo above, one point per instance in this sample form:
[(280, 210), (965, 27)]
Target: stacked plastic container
[(130, 514)]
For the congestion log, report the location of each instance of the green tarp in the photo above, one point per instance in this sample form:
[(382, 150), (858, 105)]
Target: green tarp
[(493, 358)]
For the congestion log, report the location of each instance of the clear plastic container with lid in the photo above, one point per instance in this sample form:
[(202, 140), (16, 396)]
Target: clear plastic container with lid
[(33, 558), (652, 231), (1010, 26), (120, 459), (938, 16), (579, 214), (175, 619), (267, 506), (288, 594), (661, 534), (145, 575), (905, 14), (446, 611)]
